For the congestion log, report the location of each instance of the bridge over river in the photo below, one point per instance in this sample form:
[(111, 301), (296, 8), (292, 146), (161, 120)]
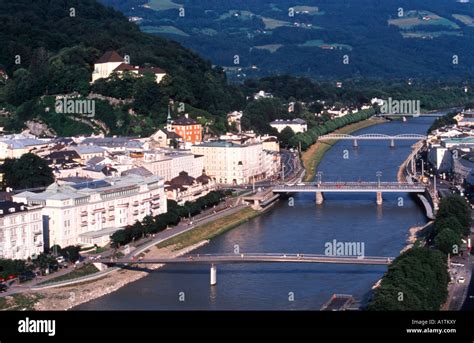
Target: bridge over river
[(349, 187), (214, 259), (372, 137)]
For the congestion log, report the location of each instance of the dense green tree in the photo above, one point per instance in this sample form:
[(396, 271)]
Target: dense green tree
[(28, 171), (456, 206), (71, 253), (417, 279), (285, 136), (450, 222), (448, 241)]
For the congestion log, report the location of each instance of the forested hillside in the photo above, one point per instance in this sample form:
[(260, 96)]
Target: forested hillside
[(49, 47)]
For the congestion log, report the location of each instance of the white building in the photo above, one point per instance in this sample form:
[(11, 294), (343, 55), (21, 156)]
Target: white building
[(88, 213), (21, 230), (111, 62), (16, 146), (297, 125), (231, 163), (262, 95), (86, 152), (168, 164)]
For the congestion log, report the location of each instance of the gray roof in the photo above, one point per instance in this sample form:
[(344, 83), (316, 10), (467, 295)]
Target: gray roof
[(141, 171), (22, 143), (88, 149), (85, 189), (289, 121)]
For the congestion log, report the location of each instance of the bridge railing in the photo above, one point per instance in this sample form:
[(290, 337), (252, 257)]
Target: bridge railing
[(287, 255)]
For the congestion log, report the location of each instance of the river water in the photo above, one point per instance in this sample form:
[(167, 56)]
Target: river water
[(302, 228)]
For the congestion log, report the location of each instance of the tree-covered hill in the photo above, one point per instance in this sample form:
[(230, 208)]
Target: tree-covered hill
[(49, 47)]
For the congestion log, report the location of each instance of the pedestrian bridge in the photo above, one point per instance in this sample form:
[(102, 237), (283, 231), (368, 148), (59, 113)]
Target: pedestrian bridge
[(214, 259), (255, 258)]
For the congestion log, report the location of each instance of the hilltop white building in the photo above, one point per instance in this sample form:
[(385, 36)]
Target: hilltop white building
[(111, 62)]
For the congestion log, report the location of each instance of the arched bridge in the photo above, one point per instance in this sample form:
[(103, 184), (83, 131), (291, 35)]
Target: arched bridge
[(372, 137)]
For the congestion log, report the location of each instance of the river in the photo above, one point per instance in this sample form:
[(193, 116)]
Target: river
[(302, 228)]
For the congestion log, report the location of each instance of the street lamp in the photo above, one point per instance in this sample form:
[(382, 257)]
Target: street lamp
[(379, 175), (320, 176)]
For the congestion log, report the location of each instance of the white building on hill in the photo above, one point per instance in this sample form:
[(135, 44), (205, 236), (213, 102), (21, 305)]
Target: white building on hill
[(111, 62)]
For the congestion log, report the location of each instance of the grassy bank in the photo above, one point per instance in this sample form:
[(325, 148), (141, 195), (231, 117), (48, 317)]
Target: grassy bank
[(210, 230), (86, 269), (313, 156), (19, 302)]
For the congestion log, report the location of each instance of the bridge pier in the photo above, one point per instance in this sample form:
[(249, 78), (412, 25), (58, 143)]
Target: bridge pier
[(355, 144), (392, 143), (213, 275), (319, 198), (379, 198)]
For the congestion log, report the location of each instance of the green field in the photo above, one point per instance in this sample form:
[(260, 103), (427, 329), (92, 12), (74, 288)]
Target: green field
[(242, 15), (465, 19), (87, 269), (269, 47), (206, 31), (429, 35), (312, 10), (162, 5), (271, 23), (321, 44), (164, 29), (421, 18)]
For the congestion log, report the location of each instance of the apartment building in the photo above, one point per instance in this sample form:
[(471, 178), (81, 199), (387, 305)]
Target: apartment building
[(232, 163), (21, 230), (88, 213)]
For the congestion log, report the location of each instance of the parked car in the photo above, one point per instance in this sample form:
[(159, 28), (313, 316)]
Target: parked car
[(27, 276), (63, 264), (53, 267), (3, 287), (461, 279)]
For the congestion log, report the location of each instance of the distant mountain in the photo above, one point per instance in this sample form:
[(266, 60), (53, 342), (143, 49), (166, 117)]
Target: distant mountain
[(376, 38)]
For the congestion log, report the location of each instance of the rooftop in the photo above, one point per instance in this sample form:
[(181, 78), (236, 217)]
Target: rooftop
[(110, 56), (289, 121), (184, 121), (88, 149), (70, 190), (223, 144), (9, 207)]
